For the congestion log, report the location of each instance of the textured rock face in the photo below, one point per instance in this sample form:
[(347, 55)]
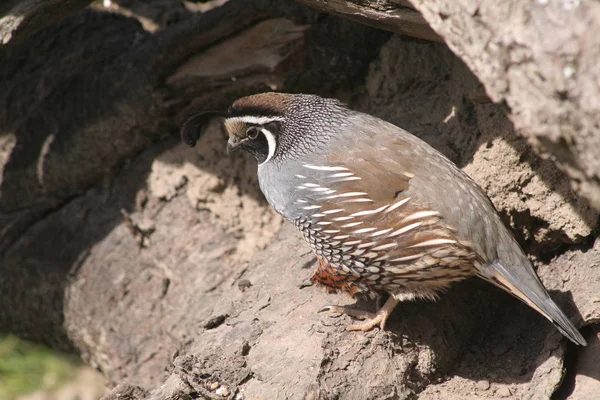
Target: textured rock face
[(549, 82), (163, 264)]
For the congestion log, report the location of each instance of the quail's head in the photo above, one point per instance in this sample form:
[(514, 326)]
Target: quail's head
[(274, 126)]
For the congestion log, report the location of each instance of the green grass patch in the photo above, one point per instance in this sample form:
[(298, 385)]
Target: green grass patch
[(26, 367)]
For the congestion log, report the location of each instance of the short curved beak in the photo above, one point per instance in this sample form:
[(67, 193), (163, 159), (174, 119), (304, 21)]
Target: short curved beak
[(233, 144)]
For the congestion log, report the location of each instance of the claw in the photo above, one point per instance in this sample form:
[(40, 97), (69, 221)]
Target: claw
[(371, 319), (328, 308), (369, 323), (353, 312)]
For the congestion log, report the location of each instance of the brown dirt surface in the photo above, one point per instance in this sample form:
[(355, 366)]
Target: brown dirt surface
[(225, 187)]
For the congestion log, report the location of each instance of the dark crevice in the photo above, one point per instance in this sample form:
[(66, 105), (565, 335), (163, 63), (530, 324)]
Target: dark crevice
[(13, 239), (583, 246), (215, 322), (246, 349), (572, 352), (66, 201), (525, 226)]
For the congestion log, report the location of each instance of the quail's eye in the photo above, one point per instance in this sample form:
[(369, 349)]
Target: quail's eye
[(252, 132)]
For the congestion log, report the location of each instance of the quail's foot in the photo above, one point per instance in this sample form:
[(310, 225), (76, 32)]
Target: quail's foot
[(371, 320)]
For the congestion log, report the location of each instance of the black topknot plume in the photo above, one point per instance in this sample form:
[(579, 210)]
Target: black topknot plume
[(192, 128)]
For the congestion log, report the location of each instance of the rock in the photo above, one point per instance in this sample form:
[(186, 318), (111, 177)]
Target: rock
[(503, 392), (483, 385)]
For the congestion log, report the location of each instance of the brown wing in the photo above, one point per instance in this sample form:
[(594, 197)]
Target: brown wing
[(387, 232), (404, 213)]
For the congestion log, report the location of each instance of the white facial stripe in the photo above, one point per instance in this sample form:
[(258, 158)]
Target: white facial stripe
[(253, 120), (270, 141)]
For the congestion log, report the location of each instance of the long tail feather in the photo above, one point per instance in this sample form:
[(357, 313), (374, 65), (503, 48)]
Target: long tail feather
[(533, 293)]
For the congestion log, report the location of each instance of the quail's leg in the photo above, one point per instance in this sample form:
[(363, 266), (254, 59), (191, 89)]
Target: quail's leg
[(371, 319)]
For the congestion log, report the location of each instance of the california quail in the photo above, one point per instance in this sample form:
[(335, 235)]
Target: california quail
[(383, 211)]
